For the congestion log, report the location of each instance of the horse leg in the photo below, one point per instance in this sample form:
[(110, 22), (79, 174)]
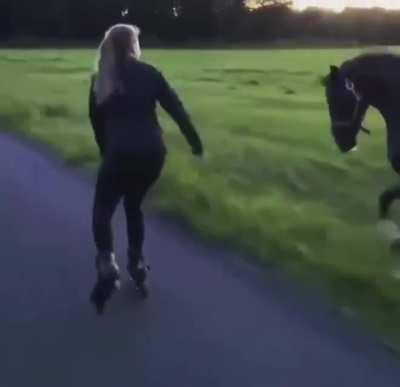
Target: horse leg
[(393, 152), (388, 229), (386, 199)]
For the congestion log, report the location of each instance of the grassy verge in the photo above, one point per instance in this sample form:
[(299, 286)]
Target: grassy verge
[(274, 184)]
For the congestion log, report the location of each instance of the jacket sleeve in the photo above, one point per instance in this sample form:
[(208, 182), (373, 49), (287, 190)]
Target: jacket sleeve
[(172, 104), (96, 118)]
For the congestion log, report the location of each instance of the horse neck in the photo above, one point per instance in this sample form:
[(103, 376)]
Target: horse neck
[(391, 115)]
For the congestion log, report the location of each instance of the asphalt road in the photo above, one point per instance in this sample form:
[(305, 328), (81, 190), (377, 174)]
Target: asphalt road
[(211, 320)]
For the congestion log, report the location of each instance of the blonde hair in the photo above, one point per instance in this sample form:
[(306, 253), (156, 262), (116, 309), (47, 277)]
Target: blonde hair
[(120, 43)]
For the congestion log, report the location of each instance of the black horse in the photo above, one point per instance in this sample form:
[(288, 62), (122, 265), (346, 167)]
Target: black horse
[(367, 80)]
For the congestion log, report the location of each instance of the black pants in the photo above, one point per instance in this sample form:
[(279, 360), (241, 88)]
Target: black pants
[(130, 180)]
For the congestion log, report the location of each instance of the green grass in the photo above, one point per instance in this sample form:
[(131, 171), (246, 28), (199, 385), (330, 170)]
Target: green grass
[(274, 184)]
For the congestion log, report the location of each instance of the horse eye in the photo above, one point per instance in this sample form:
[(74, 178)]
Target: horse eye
[(349, 85)]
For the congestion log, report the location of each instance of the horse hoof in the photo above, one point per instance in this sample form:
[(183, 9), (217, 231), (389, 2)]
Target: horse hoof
[(395, 246), (389, 231)]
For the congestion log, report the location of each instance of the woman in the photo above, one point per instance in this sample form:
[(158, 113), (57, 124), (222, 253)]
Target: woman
[(123, 99)]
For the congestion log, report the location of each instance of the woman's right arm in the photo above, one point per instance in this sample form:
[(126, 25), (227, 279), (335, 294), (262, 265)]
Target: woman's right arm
[(96, 118), (171, 103)]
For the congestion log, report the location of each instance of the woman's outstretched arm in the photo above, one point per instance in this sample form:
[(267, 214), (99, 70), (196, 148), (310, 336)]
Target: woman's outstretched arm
[(96, 118), (172, 104)]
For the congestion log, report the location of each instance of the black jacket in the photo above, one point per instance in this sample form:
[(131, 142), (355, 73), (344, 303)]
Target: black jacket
[(127, 122)]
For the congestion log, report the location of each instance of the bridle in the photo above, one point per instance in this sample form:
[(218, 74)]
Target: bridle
[(357, 109)]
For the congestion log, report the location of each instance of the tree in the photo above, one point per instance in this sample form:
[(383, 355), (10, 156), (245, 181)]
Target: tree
[(269, 3), (268, 19), (179, 20), (199, 17), (231, 15)]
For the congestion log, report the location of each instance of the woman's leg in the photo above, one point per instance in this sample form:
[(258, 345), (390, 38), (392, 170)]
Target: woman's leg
[(135, 225), (106, 200), (138, 186), (137, 266), (134, 216), (108, 194)]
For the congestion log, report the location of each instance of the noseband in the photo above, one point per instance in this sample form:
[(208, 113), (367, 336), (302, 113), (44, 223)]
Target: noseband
[(357, 109)]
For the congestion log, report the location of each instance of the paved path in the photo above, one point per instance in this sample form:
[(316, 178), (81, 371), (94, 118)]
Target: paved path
[(211, 320)]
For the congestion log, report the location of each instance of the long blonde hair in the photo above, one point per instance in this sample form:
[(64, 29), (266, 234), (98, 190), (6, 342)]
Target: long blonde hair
[(120, 42)]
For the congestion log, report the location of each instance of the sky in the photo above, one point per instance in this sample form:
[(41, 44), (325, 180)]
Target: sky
[(339, 5)]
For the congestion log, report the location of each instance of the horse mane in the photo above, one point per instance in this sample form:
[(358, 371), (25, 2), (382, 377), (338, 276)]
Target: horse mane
[(383, 65)]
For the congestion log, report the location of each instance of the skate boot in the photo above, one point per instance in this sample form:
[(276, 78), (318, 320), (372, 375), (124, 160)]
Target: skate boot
[(138, 269), (108, 280)]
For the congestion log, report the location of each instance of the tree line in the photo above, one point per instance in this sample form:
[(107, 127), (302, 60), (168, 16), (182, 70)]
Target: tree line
[(195, 20)]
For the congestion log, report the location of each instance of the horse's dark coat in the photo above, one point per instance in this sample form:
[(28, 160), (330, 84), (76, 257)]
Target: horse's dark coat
[(376, 82)]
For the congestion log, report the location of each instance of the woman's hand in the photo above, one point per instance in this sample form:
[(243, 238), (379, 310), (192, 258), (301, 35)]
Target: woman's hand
[(197, 147), (201, 157), (197, 152)]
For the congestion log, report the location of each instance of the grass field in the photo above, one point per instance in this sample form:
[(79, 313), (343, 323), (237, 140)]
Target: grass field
[(274, 183)]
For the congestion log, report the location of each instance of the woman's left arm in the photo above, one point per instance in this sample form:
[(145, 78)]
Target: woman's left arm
[(96, 118)]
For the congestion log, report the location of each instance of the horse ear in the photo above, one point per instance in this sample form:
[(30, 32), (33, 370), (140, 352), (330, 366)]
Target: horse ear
[(324, 80), (334, 72)]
